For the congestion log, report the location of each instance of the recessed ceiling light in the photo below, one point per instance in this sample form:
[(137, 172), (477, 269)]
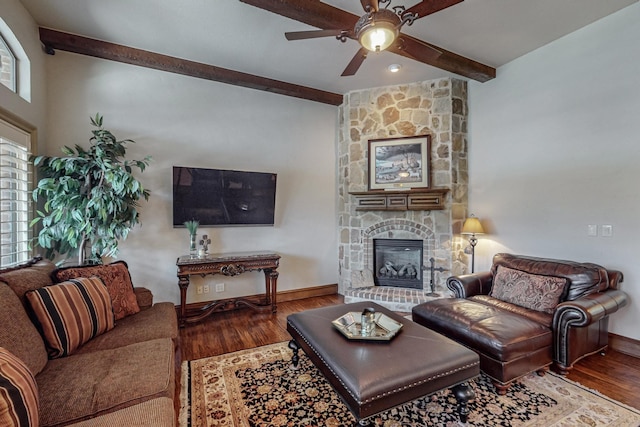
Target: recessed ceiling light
[(394, 68)]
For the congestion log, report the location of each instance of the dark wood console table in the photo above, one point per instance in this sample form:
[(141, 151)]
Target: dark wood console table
[(230, 264)]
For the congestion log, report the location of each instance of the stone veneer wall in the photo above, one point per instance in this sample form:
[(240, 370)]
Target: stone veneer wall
[(435, 107)]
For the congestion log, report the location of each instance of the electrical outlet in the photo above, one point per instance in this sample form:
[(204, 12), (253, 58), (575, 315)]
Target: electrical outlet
[(607, 230), (199, 290), (219, 287), (206, 289)]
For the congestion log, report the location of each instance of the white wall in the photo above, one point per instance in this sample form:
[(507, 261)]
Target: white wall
[(24, 28), (555, 146), (185, 121)]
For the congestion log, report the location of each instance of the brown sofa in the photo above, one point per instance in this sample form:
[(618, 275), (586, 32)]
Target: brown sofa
[(527, 313), (126, 376)]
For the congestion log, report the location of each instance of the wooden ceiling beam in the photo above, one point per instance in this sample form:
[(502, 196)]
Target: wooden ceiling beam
[(53, 40), (427, 7), (314, 13)]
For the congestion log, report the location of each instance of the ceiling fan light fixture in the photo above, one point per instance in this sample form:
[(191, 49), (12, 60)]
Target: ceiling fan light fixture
[(376, 31)]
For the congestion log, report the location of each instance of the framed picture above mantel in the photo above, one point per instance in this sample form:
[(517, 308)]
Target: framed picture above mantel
[(400, 163)]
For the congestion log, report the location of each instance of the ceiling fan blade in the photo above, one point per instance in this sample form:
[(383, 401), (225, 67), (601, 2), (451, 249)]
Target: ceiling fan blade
[(438, 57), (312, 34), (355, 63), (369, 5), (427, 7), (416, 49)]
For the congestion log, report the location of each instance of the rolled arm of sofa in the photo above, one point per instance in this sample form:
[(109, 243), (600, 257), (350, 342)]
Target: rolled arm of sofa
[(470, 284), (588, 309), (572, 316), (144, 297)]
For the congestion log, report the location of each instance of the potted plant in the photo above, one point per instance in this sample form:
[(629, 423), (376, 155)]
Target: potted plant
[(90, 197)]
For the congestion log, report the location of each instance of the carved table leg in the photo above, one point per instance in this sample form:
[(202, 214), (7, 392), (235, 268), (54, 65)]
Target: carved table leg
[(463, 394), (271, 284), (183, 283), (293, 345)]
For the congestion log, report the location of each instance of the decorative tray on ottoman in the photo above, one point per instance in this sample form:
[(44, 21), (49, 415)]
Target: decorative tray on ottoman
[(383, 327)]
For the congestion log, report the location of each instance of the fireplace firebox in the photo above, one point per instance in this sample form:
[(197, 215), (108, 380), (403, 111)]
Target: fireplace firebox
[(398, 262)]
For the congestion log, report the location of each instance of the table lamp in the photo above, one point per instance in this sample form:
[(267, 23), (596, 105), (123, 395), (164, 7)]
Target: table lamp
[(472, 227)]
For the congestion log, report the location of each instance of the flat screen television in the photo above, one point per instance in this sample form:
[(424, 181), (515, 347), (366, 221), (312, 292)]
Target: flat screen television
[(217, 197)]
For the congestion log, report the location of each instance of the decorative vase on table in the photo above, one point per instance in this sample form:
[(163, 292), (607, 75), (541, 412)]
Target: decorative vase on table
[(192, 226), (193, 251)]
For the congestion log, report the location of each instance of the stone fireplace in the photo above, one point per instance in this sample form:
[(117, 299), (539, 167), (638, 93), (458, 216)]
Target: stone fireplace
[(437, 108)]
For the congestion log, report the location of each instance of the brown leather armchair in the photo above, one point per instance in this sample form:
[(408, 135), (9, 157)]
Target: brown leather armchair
[(514, 339)]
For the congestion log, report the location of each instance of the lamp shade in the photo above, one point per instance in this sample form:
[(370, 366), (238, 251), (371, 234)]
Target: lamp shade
[(472, 226)]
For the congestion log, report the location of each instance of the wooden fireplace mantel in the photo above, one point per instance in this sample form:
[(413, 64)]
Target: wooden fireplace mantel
[(415, 199)]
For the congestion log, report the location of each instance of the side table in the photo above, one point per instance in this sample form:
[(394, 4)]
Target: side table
[(229, 264)]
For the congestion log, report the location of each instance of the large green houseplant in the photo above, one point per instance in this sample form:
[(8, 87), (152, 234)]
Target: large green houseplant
[(90, 197)]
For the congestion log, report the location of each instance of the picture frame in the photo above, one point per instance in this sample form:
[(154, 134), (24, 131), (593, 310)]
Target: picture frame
[(400, 163)]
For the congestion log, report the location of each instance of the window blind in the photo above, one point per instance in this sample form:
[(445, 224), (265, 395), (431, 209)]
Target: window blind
[(15, 200)]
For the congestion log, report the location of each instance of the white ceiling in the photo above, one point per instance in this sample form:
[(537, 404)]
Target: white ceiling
[(233, 35)]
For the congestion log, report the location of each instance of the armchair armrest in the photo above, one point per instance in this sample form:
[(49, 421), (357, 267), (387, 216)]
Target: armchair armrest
[(588, 309), (144, 297), (575, 321), (615, 278), (470, 284)]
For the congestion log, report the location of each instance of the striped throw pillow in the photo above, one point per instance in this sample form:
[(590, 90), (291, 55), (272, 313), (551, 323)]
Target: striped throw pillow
[(18, 393), (71, 313)]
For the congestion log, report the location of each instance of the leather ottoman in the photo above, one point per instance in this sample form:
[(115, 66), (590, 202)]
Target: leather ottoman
[(509, 345), (373, 376)]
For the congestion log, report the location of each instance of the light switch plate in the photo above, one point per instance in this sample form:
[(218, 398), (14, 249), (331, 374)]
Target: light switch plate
[(607, 230), (592, 230)]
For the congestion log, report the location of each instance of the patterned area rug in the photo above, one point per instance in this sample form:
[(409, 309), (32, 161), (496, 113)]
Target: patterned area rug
[(259, 387)]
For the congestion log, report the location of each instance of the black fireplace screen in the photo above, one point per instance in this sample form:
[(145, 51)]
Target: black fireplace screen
[(398, 262)]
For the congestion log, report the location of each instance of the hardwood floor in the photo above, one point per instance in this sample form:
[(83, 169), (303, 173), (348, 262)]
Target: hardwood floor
[(615, 374)]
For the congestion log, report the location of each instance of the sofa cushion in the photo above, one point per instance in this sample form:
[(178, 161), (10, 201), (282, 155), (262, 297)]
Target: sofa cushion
[(105, 381), (71, 313), (534, 291), (32, 275), (18, 334), (541, 317), (159, 321), (18, 393), (117, 279), (156, 412)]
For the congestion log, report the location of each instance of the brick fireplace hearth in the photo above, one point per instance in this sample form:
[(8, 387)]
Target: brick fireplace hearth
[(437, 108)]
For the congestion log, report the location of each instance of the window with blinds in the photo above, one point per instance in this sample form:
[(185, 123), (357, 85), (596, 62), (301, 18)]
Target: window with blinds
[(7, 65), (15, 195)]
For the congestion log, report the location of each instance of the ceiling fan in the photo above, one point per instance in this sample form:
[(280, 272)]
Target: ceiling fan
[(376, 31), (378, 21)]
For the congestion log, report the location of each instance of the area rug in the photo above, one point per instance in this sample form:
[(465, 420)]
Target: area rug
[(260, 387)]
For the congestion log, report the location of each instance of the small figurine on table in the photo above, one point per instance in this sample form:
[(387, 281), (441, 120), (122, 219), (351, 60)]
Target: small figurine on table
[(205, 242)]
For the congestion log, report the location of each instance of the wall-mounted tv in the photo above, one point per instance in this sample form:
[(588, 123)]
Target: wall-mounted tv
[(217, 197)]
